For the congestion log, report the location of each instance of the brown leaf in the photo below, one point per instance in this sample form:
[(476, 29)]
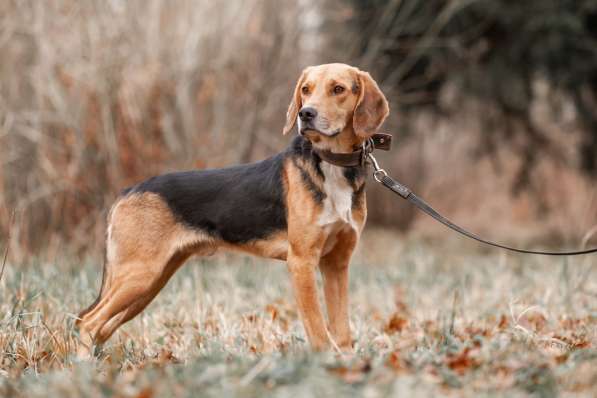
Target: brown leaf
[(461, 362), (252, 318), (396, 324), (574, 341), (503, 322), (395, 362), (145, 393), (165, 356), (560, 359), (353, 374)]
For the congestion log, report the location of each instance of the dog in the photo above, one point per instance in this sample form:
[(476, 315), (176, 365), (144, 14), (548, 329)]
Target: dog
[(299, 206)]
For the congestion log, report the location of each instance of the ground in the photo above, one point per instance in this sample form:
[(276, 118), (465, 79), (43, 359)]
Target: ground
[(429, 319)]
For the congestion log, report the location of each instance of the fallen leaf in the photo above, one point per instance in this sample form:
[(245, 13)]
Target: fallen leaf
[(145, 393), (503, 322), (461, 362), (353, 374), (396, 324), (395, 362)]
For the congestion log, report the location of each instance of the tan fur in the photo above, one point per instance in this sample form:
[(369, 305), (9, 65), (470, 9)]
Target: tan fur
[(146, 244), (275, 246), (358, 114)]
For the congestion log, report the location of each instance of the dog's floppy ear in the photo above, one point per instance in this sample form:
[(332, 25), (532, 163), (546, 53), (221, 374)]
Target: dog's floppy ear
[(295, 105), (371, 109)]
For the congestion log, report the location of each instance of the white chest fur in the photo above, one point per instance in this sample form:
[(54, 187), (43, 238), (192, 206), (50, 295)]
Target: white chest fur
[(337, 206)]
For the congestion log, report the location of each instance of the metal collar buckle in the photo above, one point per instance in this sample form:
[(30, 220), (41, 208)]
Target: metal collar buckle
[(367, 148)]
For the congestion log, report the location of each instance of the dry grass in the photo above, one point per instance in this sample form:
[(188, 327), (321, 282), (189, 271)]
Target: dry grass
[(427, 320)]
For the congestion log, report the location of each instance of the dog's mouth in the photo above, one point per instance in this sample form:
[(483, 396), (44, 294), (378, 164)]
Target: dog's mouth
[(306, 130)]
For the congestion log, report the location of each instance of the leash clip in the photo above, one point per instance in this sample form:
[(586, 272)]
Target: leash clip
[(366, 148), (378, 173)]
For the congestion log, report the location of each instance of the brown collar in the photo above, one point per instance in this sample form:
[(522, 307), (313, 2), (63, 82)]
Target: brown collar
[(358, 157)]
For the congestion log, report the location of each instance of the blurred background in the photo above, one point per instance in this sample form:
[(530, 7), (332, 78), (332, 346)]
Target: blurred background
[(493, 106)]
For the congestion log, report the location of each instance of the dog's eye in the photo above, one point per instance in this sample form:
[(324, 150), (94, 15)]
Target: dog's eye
[(305, 90), (338, 90)]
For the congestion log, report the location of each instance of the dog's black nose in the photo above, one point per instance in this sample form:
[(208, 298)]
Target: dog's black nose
[(307, 114)]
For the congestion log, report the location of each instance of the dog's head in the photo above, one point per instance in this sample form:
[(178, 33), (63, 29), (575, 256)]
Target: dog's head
[(336, 106)]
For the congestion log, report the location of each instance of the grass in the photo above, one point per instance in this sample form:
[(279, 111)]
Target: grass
[(426, 321)]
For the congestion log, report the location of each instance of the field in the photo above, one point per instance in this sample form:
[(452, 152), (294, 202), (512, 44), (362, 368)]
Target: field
[(493, 113), (427, 320)]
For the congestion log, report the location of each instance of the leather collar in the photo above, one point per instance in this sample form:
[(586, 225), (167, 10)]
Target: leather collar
[(358, 157)]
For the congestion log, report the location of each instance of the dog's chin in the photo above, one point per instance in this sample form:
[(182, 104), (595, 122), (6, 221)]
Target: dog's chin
[(310, 132)]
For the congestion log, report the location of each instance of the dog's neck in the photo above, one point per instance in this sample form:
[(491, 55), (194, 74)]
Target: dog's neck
[(333, 146), (345, 142), (358, 154)]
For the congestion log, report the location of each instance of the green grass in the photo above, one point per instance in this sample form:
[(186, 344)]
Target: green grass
[(426, 321)]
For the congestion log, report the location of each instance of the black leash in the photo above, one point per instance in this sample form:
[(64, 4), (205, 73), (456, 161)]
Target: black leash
[(382, 177)]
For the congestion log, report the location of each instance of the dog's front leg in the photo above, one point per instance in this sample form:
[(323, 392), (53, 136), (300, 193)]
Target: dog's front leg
[(302, 267), (334, 267)]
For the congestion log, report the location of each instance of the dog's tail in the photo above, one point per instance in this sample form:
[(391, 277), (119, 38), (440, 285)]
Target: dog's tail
[(99, 296), (104, 275)]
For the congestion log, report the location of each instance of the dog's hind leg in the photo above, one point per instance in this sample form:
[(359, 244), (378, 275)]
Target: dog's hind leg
[(131, 285), (145, 246), (125, 309), (133, 288)]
